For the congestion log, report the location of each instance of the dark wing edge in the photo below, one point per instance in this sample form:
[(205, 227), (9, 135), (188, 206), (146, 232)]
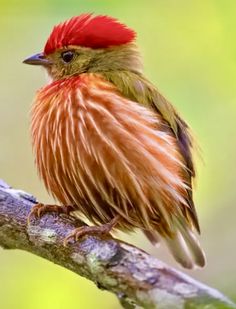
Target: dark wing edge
[(186, 145)]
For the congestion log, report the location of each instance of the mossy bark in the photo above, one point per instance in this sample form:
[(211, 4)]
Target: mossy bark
[(138, 279)]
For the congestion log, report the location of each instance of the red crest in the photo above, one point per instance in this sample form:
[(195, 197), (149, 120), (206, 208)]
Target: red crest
[(91, 31)]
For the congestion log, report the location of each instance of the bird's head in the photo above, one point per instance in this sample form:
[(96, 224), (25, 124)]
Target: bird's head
[(88, 43)]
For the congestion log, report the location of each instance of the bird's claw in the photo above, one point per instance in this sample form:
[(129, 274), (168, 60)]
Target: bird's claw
[(40, 209), (81, 231)]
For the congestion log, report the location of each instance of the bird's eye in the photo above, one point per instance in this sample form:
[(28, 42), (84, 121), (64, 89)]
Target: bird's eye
[(67, 56)]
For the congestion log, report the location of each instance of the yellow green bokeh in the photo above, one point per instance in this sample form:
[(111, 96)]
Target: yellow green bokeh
[(189, 51)]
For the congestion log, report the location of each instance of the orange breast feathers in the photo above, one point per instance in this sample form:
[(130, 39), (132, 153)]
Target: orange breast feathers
[(108, 155)]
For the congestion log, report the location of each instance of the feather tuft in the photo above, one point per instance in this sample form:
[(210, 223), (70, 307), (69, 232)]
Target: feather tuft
[(87, 30)]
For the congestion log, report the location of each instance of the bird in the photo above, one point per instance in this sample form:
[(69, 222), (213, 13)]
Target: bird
[(107, 144)]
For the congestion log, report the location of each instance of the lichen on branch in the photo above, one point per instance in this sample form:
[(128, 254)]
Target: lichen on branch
[(136, 278)]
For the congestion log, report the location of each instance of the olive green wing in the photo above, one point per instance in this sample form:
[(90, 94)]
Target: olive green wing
[(137, 88), (185, 141)]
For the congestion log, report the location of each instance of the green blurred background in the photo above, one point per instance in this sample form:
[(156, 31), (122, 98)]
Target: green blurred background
[(189, 51)]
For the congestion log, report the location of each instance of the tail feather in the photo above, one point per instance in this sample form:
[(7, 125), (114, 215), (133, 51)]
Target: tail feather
[(152, 237), (183, 245), (179, 250), (193, 245)]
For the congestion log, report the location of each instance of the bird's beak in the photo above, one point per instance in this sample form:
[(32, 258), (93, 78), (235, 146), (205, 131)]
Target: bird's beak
[(38, 59)]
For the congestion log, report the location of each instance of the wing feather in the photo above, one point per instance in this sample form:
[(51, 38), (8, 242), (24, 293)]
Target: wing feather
[(136, 87)]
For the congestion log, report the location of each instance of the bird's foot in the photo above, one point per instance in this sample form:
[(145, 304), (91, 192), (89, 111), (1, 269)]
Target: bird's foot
[(40, 209), (79, 232)]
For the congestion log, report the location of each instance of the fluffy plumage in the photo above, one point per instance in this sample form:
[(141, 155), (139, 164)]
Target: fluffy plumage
[(108, 143), (132, 178), (88, 30)]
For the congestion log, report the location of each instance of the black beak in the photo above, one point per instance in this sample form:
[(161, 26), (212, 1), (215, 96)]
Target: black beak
[(38, 59)]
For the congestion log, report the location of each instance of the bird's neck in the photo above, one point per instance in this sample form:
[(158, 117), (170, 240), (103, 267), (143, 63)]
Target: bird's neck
[(114, 59), (132, 85)]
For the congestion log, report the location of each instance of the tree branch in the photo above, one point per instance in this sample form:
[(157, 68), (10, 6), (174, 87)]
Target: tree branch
[(138, 279)]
